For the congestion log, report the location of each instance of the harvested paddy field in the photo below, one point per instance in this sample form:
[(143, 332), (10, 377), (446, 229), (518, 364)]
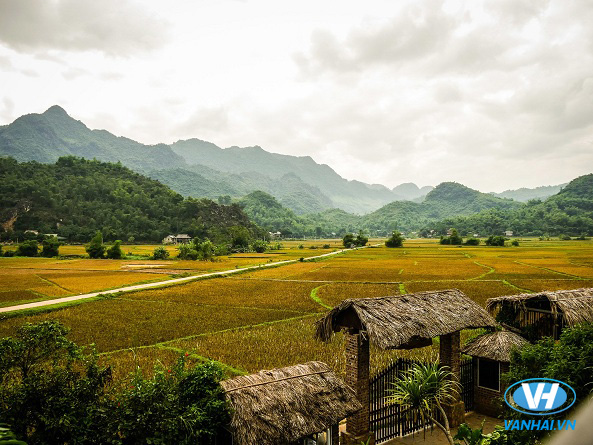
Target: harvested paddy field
[(265, 318)]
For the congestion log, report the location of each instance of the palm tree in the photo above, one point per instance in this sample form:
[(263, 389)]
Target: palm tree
[(426, 387)]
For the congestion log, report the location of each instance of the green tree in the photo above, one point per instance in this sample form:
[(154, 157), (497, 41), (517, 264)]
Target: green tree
[(49, 387), (260, 246), (240, 238), (495, 240), (206, 250), (187, 252), (114, 252), (348, 240), (224, 200), (454, 238), (28, 248), (160, 253), (95, 247), (53, 392), (176, 406), (395, 240), (361, 239), (472, 242), (50, 247), (426, 387)]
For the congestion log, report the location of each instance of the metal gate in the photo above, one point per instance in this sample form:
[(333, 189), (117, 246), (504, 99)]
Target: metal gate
[(389, 421)]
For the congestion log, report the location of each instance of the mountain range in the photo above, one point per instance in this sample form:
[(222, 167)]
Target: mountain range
[(202, 169)]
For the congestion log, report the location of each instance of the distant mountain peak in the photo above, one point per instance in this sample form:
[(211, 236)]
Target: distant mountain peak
[(56, 110)]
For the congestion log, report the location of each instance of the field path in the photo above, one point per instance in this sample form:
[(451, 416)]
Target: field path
[(37, 304)]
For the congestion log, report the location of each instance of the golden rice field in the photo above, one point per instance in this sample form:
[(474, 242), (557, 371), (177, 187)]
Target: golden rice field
[(265, 318), (33, 279)]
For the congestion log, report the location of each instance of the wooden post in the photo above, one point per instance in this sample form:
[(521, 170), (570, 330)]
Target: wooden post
[(450, 356)]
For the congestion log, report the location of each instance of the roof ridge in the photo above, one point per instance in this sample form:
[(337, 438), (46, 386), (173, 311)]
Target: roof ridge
[(277, 380)]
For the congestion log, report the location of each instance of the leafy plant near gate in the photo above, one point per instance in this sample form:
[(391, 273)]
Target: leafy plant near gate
[(426, 387), (477, 437)]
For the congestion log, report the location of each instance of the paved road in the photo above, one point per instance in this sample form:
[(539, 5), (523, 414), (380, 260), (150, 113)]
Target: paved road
[(155, 284)]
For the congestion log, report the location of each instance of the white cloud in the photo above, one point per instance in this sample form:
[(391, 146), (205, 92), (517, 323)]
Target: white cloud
[(114, 27)]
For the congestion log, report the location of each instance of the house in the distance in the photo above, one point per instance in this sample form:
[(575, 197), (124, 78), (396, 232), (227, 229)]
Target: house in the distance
[(182, 238), (508, 233)]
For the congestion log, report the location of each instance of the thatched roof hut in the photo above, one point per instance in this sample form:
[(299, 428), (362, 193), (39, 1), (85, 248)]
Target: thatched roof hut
[(494, 345), (286, 404), (575, 306), (406, 321)]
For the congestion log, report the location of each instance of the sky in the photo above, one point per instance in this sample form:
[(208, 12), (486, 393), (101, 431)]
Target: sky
[(494, 94)]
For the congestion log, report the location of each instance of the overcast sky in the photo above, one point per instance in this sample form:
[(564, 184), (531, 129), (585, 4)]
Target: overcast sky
[(493, 94)]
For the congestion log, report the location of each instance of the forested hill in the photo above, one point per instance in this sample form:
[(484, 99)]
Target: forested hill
[(75, 197), (569, 212), (46, 137), (335, 191), (446, 200), (194, 167), (525, 194)]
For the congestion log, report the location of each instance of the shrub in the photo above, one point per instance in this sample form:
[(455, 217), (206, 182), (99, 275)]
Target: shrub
[(495, 240), (515, 243), (176, 406), (326, 246), (187, 252), (52, 392), (95, 247), (206, 250), (114, 252), (9, 253), (350, 241), (472, 242), (361, 239), (395, 240), (301, 246), (160, 253), (51, 247), (49, 388), (477, 437), (28, 248), (240, 238), (453, 239), (259, 246)]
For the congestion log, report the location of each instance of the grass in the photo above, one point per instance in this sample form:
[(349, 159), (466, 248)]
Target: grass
[(264, 318)]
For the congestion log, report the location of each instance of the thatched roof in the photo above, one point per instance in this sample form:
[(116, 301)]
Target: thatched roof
[(406, 321), (494, 345), (576, 305), (283, 405)]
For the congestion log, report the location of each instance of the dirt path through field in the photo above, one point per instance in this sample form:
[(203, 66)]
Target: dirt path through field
[(37, 304)]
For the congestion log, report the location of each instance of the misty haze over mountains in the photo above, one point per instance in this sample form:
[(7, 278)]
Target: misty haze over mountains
[(201, 169)]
